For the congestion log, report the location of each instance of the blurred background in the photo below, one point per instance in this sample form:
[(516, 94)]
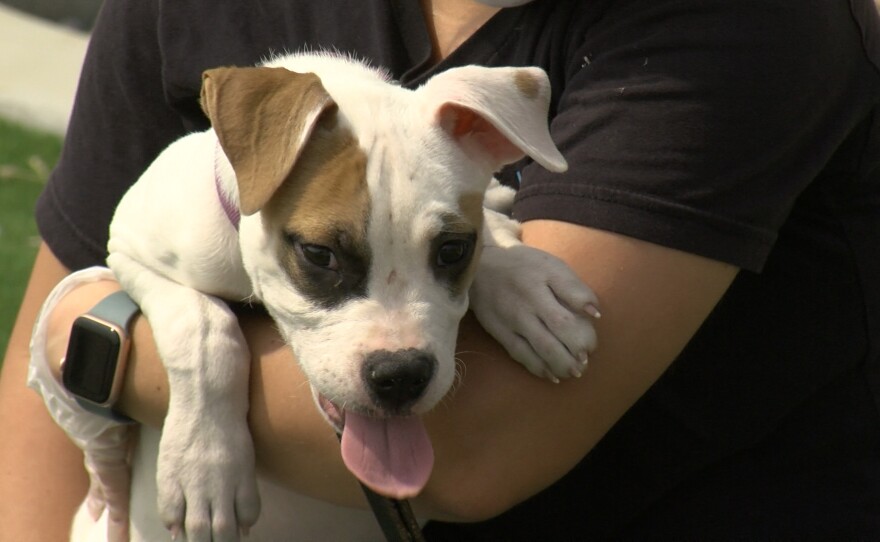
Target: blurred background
[(42, 43), (79, 14)]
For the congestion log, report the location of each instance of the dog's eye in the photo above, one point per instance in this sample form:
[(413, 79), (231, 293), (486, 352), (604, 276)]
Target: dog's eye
[(453, 252), (317, 255)]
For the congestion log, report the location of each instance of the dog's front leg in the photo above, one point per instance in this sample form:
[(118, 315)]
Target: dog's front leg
[(530, 301), (205, 474)]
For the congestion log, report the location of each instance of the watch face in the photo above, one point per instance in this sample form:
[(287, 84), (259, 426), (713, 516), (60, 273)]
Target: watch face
[(90, 364)]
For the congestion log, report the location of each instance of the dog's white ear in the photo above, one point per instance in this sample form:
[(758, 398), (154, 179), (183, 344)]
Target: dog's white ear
[(263, 118), (497, 114)]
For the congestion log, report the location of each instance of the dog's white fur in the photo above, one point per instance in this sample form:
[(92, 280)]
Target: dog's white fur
[(174, 250)]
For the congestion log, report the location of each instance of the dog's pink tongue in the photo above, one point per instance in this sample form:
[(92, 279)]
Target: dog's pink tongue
[(391, 456)]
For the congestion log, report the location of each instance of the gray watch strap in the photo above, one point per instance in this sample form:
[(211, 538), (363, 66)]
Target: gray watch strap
[(104, 412), (117, 308)]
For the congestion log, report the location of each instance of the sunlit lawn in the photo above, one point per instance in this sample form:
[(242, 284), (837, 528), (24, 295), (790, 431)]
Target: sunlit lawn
[(26, 156)]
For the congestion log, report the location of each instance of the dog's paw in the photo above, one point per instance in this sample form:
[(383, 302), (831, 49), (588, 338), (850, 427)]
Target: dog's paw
[(207, 480), (536, 307), (499, 198)]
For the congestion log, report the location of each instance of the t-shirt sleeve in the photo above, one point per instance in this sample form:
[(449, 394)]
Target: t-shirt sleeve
[(120, 122), (696, 125)]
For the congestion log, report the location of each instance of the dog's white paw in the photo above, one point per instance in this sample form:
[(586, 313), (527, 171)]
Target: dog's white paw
[(206, 479), (499, 198), (536, 307)]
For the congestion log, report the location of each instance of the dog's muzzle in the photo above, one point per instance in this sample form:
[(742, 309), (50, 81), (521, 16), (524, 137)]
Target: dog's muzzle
[(383, 444)]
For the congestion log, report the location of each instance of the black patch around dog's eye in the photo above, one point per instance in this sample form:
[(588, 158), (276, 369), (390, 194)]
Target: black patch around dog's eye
[(329, 272), (450, 258)]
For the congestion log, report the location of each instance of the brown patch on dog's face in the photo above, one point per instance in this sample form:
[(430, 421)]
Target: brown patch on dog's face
[(321, 212), (455, 251), (527, 85)]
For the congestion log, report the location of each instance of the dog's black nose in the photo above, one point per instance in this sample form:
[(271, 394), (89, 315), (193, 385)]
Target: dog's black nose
[(397, 379)]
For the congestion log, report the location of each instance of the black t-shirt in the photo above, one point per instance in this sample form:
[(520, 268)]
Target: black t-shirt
[(745, 131)]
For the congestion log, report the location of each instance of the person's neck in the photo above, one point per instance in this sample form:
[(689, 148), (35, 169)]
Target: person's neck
[(452, 22)]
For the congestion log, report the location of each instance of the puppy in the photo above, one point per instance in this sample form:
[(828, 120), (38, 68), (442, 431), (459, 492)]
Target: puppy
[(353, 210)]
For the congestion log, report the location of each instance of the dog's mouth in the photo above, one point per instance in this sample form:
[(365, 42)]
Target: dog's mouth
[(391, 455)]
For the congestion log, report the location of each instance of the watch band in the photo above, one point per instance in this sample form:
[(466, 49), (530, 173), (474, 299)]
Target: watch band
[(104, 412), (118, 308)]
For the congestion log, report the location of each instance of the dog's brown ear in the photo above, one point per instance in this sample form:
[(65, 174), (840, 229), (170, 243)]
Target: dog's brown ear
[(496, 114), (263, 118)]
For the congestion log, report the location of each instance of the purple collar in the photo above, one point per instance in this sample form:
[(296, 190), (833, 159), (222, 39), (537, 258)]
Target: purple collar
[(229, 207)]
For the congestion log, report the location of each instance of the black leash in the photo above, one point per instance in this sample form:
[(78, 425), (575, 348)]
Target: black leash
[(396, 518)]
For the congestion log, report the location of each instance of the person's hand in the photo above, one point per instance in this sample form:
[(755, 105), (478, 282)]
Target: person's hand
[(106, 461)]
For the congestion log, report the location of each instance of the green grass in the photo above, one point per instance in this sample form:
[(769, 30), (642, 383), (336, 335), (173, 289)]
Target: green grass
[(26, 157)]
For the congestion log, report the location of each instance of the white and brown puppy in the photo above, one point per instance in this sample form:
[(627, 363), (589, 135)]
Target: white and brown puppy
[(353, 210)]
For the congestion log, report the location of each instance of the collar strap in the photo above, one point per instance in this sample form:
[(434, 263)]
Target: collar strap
[(229, 207)]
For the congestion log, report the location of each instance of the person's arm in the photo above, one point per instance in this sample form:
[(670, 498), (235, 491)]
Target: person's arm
[(42, 479), (503, 434), (521, 433)]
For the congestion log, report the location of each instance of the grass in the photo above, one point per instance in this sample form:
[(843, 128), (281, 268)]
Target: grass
[(26, 157)]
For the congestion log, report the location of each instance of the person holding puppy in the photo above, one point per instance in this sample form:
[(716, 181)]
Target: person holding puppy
[(723, 200)]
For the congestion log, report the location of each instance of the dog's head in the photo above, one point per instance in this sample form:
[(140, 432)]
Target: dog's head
[(362, 216)]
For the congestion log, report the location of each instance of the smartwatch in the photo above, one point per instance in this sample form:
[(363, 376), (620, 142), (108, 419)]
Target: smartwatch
[(94, 367)]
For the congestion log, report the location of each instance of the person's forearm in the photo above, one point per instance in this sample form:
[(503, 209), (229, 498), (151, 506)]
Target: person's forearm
[(294, 444), (42, 479)]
